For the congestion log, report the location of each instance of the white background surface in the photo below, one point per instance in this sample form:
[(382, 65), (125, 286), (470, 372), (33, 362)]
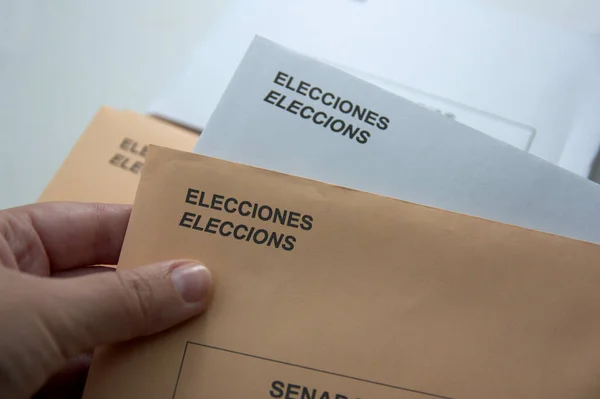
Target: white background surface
[(61, 60)]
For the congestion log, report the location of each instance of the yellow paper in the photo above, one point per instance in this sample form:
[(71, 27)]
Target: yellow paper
[(106, 162)]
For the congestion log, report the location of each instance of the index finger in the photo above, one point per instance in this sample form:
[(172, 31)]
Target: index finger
[(51, 237)]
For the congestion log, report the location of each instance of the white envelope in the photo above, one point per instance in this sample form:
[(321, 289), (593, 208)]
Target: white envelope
[(270, 117), (521, 80)]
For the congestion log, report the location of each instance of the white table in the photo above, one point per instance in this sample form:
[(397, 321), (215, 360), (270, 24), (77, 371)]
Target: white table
[(61, 60)]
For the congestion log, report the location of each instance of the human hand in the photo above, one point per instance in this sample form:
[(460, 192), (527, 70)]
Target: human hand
[(54, 307)]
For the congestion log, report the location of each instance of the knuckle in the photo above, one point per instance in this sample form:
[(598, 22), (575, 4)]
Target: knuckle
[(138, 299)]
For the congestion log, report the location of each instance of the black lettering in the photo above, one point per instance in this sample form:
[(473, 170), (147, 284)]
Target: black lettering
[(293, 220), (327, 95), (227, 208), (313, 90), (288, 85), (303, 113), (323, 114), (292, 389), (250, 233), (324, 395), (289, 243), (275, 240), (340, 125), (236, 231), (328, 121), (261, 214), (350, 131), (358, 112), (116, 159), (383, 123), (294, 107), (337, 101), (125, 164), (222, 229), (371, 118), (217, 202), (212, 223), (306, 394), (338, 396), (281, 78), (254, 210), (201, 201), (277, 388), (134, 148), (307, 223), (136, 167), (272, 97), (188, 217), (196, 222), (192, 196), (242, 204), (348, 106), (126, 144), (364, 136), (280, 217), (261, 241), (303, 88), (281, 100)]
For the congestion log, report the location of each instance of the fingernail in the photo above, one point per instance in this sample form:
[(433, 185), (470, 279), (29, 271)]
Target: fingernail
[(192, 282)]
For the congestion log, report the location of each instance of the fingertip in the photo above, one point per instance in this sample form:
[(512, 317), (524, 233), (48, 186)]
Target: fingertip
[(193, 282)]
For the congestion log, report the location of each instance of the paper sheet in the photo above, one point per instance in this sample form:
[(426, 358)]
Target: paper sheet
[(410, 153), (343, 295)]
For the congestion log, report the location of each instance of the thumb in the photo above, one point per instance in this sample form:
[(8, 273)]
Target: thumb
[(105, 308)]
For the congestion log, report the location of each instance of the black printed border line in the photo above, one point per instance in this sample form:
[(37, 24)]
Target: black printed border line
[(431, 395)]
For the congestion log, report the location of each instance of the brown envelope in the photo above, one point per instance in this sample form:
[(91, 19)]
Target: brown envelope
[(105, 164), (331, 293)]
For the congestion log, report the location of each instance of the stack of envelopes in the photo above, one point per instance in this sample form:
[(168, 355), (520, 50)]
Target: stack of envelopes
[(362, 246)]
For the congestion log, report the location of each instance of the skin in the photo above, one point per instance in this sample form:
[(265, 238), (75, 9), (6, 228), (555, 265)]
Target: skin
[(56, 306)]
